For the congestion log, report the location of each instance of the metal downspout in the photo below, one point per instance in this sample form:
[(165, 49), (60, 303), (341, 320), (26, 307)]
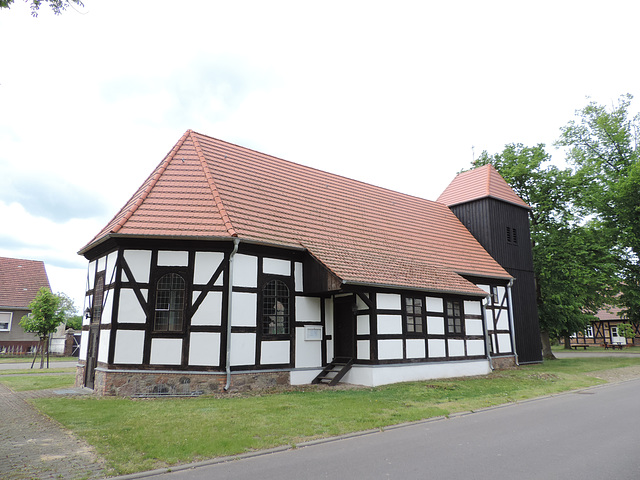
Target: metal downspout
[(236, 243), (511, 327), (487, 341)]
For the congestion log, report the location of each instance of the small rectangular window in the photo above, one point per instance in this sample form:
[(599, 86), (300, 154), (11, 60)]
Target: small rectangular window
[(512, 236), (413, 312), (454, 317)]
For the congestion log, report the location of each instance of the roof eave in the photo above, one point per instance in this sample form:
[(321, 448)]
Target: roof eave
[(480, 197)]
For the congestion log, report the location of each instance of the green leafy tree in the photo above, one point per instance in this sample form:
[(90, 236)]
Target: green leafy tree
[(626, 330), (58, 6), (75, 322), (573, 267), (603, 148), (48, 311)]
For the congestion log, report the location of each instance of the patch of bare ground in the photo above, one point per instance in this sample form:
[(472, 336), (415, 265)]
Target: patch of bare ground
[(618, 374)]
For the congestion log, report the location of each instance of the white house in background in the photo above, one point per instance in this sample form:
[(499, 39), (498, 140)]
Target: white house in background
[(232, 269)]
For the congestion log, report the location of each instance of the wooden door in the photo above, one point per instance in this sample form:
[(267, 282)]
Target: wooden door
[(344, 327), (94, 331)]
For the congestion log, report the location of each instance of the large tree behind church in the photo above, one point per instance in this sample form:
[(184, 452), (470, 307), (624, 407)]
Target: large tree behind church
[(572, 265), (602, 146)]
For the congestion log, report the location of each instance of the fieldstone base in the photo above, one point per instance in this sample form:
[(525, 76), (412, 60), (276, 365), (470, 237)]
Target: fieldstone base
[(503, 363), (129, 383)]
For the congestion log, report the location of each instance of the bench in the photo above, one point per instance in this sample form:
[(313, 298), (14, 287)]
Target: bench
[(584, 346), (613, 346)]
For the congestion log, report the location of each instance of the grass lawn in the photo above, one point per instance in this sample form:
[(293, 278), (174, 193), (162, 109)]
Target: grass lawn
[(142, 434), (21, 383), (560, 348), (37, 371), (29, 359)]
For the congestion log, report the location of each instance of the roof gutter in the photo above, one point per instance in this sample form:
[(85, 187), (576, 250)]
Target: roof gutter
[(236, 243)]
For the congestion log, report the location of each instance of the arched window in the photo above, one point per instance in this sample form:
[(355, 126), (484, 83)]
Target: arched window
[(275, 308), (170, 295)]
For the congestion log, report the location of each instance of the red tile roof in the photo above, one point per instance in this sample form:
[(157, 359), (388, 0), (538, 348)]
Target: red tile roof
[(20, 281), (479, 183), (207, 188)]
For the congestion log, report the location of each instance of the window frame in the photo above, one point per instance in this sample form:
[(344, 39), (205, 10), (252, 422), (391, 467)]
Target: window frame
[(264, 328), (154, 307), (418, 319), (8, 329), (458, 328)]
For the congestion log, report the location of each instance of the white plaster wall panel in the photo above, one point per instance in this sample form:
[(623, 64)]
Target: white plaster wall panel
[(363, 350), (328, 316), (363, 325), (274, 352), (390, 324), (91, 275), (435, 304), (456, 347), (107, 309), (109, 276), (383, 375), (308, 353), (488, 317), (166, 351), (475, 347), (473, 326), (139, 262), (472, 307), (503, 319), (129, 308), (84, 343), (415, 348), (485, 288), (504, 343), (243, 348), (129, 346), (244, 307), (204, 349), (298, 277), (389, 349), (210, 310), (169, 258), (303, 377), (435, 325), (436, 348), (103, 346), (206, 265), (308, 309), (245, 271), (361, 304), (502, 292), (329, 350), (102, 264), (275, 266), (389, 301)]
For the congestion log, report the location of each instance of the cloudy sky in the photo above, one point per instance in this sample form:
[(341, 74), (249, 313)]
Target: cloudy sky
[(400, 94)]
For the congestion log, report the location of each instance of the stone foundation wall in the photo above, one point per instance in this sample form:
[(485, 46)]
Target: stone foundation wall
[(80, 374), (150, 383), (503, 363)]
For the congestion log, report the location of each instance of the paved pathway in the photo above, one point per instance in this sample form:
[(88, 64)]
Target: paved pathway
[(32, 446)]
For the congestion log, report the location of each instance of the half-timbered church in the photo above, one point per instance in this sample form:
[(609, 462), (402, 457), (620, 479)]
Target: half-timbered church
[(232, 269)]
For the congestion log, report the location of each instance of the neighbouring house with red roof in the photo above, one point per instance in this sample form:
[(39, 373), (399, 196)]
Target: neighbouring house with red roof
[(232, 269), (20, 281)]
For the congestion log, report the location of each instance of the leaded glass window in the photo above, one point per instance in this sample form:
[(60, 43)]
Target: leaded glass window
[(170, 298), (275, 308)]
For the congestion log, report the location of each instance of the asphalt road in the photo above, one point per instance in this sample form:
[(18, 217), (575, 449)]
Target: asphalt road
[(591, 434)]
